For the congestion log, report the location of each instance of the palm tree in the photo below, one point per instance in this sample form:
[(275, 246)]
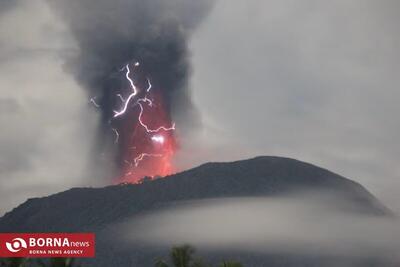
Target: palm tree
[(62, 262), (160, 263), (230, 264), (182, 256)]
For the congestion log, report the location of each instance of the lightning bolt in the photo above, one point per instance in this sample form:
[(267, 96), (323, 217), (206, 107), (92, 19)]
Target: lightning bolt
[(132, 95), (127, 162), (146, 100), (149, 87), (93, 100), (138, 102), (120, 97), (116, 135), (139, 158), (130, 101), (158, 138)]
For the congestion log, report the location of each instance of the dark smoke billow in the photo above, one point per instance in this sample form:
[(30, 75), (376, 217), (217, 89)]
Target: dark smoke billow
[(111, 34)]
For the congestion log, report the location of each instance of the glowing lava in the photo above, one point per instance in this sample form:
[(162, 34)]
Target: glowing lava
[(143, 129), (152, 144)]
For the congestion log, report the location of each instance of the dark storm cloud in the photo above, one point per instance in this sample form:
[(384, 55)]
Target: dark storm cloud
[(112, 33)]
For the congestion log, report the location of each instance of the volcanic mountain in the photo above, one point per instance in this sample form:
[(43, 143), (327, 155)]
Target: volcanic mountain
[(95, 209)]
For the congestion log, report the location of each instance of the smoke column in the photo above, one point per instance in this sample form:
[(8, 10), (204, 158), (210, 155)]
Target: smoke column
[(132, 59)]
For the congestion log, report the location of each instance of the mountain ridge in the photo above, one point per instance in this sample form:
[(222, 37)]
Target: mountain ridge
[(259, 176), (100, 210)]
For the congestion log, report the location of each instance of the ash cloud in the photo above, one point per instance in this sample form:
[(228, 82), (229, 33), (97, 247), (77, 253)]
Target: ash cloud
[(109, 34)]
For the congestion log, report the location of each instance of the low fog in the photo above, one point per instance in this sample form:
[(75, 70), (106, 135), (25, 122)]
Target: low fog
[(300, 224)]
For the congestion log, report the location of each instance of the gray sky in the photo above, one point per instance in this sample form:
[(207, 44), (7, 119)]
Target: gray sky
[(46, 126), (312, 80)]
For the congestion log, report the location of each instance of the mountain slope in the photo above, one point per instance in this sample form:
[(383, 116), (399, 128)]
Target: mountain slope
[(91, 209)]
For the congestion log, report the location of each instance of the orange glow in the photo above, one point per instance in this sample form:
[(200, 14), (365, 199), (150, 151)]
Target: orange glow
[(147, 154)]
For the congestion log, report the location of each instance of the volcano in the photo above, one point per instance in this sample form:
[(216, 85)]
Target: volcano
[(96, 209)]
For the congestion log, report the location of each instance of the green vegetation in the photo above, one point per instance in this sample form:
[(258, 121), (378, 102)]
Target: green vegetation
[(230, 264), (180, 256), (183, 256), (24, 262), (13, 262)]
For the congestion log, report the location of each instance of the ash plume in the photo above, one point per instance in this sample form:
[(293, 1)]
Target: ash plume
[(110, 34)]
